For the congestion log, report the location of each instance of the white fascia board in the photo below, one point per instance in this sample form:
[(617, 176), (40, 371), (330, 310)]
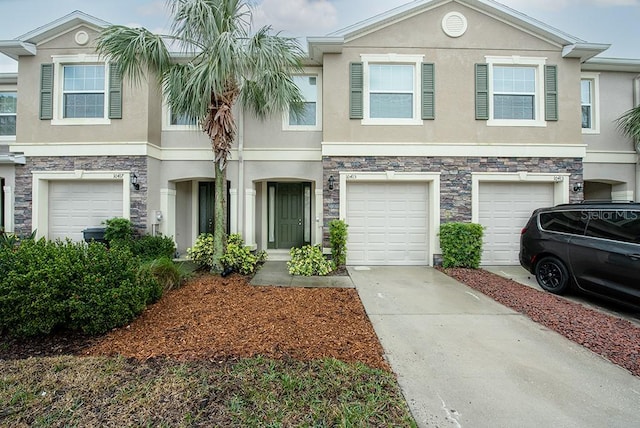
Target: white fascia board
[(584, 51), (318, 46), (17, 48), (453, 149), (60, 25), (612, 64)]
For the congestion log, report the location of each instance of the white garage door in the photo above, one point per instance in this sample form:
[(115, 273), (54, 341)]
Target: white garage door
[(504, 209), (387, 223), (76, 205)]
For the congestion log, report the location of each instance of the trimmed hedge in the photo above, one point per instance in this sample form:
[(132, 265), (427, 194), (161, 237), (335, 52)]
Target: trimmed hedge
[(461, 244), (49, 285)]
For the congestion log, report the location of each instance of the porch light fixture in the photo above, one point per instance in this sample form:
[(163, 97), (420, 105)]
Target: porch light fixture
[(577, 187), (331, 181), (134, 181)]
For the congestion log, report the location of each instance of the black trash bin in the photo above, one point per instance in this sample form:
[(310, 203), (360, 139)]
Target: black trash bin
[(94, 234)]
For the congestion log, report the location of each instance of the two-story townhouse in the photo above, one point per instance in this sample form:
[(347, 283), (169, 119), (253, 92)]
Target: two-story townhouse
[(609, 88), (436, 111), (448, 110)]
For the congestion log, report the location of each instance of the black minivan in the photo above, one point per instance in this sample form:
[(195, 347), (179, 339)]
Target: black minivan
[(595, 246)]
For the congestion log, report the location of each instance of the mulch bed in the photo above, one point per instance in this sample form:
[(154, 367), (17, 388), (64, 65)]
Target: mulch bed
[(214, 318)]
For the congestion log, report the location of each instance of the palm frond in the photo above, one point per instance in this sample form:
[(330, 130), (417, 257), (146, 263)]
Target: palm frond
[(629, 123), (135, 50)]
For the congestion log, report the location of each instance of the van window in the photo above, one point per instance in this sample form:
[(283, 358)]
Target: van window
[(617, 225), (563, 221)]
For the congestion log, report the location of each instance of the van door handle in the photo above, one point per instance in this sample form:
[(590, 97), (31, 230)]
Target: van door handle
[(634, 256)]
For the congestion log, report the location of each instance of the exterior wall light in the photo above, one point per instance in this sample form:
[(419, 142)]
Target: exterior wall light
[(577, 187), (134, 181), (331, 181)]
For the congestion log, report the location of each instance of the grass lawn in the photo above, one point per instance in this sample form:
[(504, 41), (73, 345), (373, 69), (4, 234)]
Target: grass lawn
[(118, 392)]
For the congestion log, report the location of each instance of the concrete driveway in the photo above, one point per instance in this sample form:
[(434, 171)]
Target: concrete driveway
[(464, 360)]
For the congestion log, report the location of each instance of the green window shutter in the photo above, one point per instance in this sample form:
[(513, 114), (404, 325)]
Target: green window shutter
[(356, 87), (551, 92), (46, 91), (115, 92), (428, 91), (482, 91)]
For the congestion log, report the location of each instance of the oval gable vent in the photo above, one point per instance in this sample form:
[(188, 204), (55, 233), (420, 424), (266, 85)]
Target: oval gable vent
[(454, 24)]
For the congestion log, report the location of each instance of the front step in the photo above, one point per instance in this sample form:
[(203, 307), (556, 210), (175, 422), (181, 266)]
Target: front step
[(278, 255)]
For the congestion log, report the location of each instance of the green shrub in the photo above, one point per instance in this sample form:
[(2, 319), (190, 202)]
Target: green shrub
[(168, 274), (113, 292), (338, 242), (461, 244), (46, 285), (149, 247), (202, 251), (239, 257), (308, 261), (35, 278), (118, 229)]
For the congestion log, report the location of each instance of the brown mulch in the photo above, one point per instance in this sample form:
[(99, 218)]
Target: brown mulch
[(614, 338), (214, 318)]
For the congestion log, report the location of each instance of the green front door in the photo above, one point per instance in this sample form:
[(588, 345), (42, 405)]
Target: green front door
[(206, 197), (289, 215)]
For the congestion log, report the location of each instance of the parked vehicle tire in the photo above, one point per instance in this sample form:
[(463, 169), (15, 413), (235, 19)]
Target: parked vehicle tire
[(552, 275)]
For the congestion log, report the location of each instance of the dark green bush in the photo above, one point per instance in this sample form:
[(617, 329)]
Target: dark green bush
[(149, 247), (48, 285), (461, 244), (338, 242), (118, 229)]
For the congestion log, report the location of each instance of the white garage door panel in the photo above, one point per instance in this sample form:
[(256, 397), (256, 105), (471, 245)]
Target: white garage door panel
[(76, 205), (504, 209), (387, 223)]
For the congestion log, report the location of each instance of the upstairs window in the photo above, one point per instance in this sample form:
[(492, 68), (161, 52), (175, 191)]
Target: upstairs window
[(392, 89), (309, 119), (182, 120), (83, 91), (516, 91), (80, 90), (8, 108), (589, 103)]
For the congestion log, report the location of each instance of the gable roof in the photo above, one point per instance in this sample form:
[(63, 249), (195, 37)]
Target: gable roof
[(26, 43), (573, 47)]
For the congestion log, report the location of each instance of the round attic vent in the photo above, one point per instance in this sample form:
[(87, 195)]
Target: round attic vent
[(82, 38), (454, 24)]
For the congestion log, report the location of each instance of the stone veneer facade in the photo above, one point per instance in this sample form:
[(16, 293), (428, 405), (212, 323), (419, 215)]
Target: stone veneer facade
[(24, 183), (455, 177)]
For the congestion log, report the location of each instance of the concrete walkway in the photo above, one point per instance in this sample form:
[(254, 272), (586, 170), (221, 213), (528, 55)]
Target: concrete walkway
[(463, 360), (276, 273)]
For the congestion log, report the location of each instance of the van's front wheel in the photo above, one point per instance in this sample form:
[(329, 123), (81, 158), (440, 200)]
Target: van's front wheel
[(552, 275)]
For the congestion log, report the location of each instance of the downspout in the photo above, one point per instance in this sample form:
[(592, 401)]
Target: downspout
[(240, 216), (636, 102)]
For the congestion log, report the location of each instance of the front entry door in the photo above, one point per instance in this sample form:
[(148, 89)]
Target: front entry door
[(206, 198), (289, 215)]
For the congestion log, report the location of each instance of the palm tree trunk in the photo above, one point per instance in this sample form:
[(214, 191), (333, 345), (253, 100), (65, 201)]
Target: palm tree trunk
[(220, 217)]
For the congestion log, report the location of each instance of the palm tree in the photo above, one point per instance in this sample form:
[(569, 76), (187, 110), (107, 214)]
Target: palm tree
[(629, 125), (222, 63)]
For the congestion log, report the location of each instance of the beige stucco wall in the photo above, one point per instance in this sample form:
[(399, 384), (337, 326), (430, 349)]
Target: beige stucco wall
[(133, 127), (616, 97), (454, 60)]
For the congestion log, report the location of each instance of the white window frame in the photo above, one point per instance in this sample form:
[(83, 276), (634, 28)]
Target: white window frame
[(594, 78), (392, 59), (520, 61), (166, 121), (286, 126), (59, 62), (11, 89)]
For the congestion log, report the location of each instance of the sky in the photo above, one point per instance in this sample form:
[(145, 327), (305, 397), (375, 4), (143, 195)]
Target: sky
[(615, 22)]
